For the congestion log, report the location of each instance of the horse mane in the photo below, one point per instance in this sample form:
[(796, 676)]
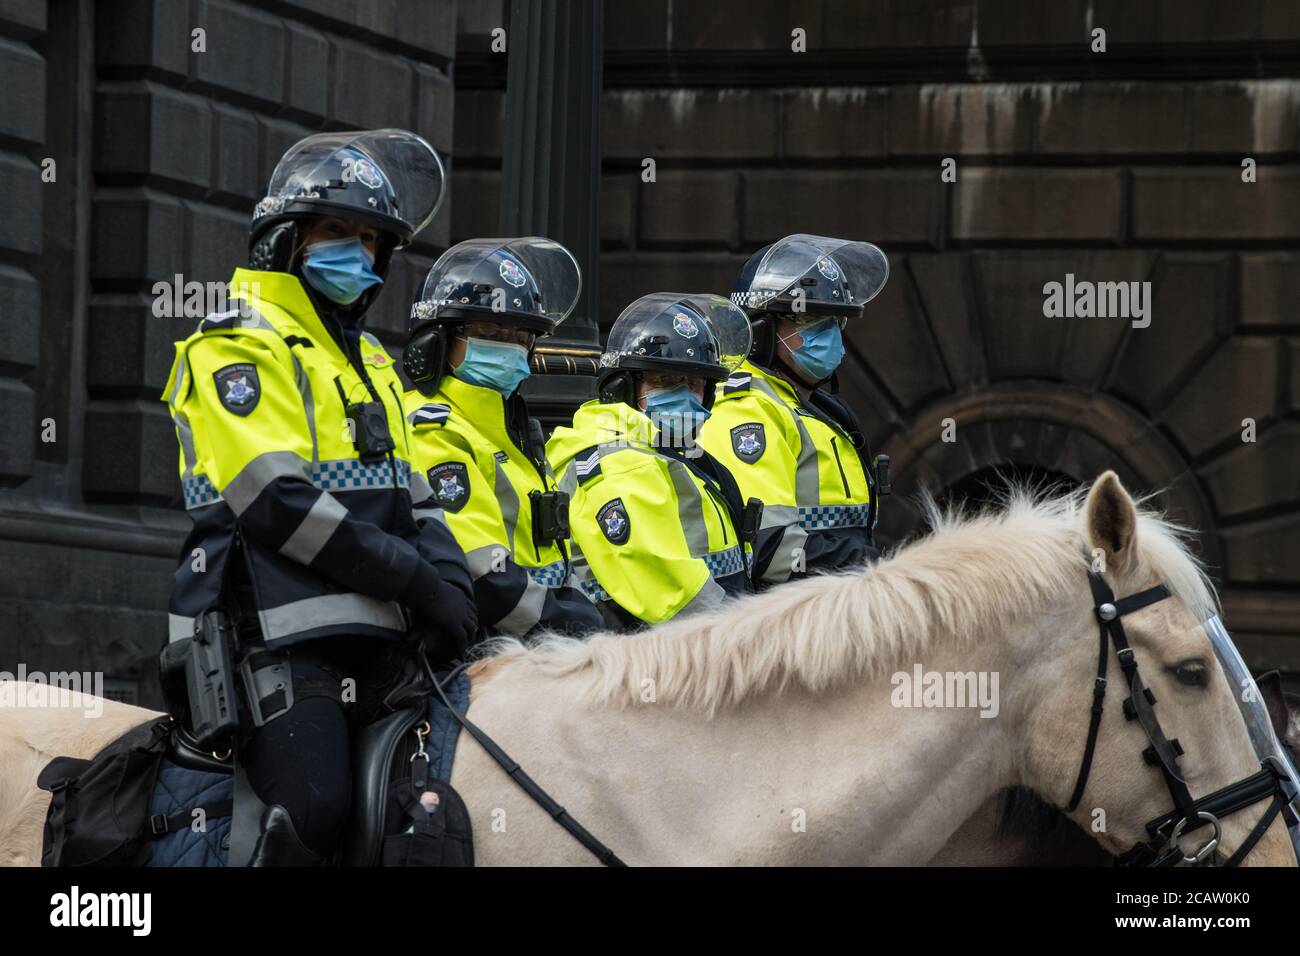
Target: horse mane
[(970, 571)]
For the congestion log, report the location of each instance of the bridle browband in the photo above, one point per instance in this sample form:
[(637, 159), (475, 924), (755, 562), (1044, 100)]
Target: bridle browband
[(1189, 814)]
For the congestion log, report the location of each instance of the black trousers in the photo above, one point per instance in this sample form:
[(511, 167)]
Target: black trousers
[(302, 759)]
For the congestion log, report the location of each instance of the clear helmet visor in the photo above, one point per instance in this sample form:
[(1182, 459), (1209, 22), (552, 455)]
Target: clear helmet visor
[(382, 174), (1254, 711), (689, 327), (530, 278), (863, 266)]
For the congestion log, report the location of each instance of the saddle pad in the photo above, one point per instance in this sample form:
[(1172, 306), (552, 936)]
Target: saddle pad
[(179, 790), (444, 728)]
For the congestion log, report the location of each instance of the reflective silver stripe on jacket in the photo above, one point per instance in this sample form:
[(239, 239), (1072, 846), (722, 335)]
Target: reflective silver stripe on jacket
[(807, 484), (315, 529), (330, 610), (791, 550)]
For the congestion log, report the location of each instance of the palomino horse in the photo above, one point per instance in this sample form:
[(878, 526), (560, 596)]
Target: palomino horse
[(771, 731)]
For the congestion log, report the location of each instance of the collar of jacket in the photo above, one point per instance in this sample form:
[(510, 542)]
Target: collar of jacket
[(599, 422), (285, 291), (483, 406), (777, 383)]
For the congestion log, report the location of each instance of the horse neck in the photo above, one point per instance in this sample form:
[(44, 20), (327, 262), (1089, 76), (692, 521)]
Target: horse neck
[(835, 776)]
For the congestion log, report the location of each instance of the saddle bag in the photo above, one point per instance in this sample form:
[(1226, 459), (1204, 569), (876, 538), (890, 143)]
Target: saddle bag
[(99, 808), (131, 804), (405, 812)]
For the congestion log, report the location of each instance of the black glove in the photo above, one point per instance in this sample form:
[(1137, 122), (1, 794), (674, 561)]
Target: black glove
[(446, 623)]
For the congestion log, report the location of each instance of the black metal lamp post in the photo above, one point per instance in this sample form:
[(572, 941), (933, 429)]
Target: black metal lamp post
[(551, 176)]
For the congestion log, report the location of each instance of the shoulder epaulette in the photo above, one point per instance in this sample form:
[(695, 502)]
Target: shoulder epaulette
[(431, 413), (738, 382), (239, 317), (586, 464)]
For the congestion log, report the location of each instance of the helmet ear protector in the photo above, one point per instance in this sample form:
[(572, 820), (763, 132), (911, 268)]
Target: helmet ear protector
[(763, 348), (271, 250), (425, 358)]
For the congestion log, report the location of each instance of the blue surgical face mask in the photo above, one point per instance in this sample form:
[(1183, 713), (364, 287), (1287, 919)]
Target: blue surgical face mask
[(822, 349), (339, 269), (676, 412), (498, 365)]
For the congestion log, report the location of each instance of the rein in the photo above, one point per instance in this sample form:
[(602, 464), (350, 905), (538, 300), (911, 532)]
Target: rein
[(516, 773)]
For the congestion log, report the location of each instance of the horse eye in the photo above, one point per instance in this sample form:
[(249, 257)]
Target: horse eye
[(1192, 673)]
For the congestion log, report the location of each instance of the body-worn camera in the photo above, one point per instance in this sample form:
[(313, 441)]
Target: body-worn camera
[(751, 520), (884, 483), (370, 432), (550, 516)]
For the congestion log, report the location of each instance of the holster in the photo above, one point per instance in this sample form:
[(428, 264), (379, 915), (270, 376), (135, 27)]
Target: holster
[(210, 679)]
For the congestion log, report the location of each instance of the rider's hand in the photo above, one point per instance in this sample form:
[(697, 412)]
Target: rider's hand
[(448, 622)]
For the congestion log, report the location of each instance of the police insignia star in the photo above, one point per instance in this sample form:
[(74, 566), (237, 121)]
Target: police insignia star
[(749, 441), (238, 388), (450, 483), (613, 521)]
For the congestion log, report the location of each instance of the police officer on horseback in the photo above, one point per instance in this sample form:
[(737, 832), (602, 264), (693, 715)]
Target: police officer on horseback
[(777, 424), (295, 465), (658, 525), (484, 304)]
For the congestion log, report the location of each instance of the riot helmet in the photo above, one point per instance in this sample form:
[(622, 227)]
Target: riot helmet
[(693, 335), (807, 279), (388, 179), (525, 287)]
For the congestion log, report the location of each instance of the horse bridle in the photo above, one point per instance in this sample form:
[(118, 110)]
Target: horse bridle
[(1161, 849)]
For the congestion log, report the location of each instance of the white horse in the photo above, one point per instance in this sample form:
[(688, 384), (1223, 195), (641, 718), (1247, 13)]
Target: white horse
[(768, 732)]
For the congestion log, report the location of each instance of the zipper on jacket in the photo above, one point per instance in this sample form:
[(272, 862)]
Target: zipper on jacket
[(401, 414), (838, 464), (713, 500)]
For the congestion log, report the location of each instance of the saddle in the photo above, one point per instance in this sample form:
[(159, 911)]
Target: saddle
[(154, 798)]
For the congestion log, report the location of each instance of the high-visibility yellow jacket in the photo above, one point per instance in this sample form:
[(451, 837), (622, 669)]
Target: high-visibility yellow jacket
[(466, 440), (653, 534), (803, 465), (271, 475)]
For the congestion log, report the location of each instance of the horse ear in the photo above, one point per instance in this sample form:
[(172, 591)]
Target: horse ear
[(1111, 522)]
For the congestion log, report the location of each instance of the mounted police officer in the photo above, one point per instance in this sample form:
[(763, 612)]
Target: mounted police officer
[(294, 458), (778, 425), (656, 522), (484, 304)]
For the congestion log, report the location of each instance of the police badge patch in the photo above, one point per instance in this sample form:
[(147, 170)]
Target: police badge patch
[(450, 483), (511, 272), (749, 442), (685, 326), (365, 173), (238, 388), (613, 521), (827, 267)]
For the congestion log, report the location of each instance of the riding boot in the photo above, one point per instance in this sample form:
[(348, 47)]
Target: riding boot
[(278, 843)]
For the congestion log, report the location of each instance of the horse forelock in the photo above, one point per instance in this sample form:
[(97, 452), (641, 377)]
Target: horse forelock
[(959, 583)]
